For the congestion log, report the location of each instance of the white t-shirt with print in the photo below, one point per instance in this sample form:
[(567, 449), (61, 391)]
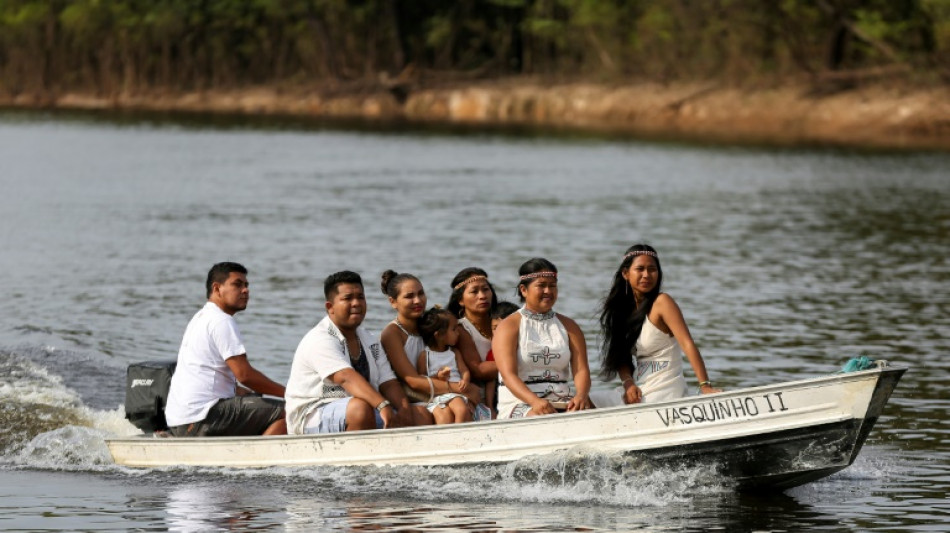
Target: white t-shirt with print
[(202, 377), (321, 353)]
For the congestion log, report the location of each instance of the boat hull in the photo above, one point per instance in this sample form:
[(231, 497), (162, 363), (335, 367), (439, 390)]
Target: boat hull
[(785, 458), (779, 436)]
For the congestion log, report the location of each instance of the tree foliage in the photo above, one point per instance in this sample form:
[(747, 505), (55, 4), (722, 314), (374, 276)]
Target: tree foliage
[(114, 46)]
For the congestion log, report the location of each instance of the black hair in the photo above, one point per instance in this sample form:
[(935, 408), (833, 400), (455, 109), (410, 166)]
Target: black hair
[(391, 280), (334, 280), (621, 319), (535, 264), (220, 273), (455, 299), (504, 309), (432, 321)]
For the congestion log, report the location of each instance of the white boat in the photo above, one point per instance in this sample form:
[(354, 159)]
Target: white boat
[(779, 435)]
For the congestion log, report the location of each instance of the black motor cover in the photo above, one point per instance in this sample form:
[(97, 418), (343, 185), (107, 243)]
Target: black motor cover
[(146, 391)]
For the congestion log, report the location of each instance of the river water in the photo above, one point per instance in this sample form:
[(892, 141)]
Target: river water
[(785, 262)]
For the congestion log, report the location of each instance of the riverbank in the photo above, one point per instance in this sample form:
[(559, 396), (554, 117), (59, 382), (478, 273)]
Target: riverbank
[(876, 117)]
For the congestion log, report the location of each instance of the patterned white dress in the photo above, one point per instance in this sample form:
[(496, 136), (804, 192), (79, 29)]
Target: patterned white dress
[(544, 362)]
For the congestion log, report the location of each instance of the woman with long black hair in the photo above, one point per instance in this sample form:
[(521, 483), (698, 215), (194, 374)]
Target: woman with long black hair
[(645, 335)]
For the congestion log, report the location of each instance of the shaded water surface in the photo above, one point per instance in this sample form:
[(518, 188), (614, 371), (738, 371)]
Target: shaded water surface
[(786, 263)]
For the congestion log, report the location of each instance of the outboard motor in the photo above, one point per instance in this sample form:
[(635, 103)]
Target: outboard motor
[(146, 391)]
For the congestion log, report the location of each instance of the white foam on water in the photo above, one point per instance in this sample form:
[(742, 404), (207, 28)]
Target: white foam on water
[(76, 447), (28, 383), (872, 463), (871, 468), (66, 448), (47, 426), (572, 476)]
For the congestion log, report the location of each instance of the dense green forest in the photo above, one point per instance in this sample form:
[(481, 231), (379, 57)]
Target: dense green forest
[(115, 46)]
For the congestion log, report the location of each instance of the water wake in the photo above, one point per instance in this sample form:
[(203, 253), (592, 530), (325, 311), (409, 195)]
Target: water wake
[(45, 423), (571, 476)]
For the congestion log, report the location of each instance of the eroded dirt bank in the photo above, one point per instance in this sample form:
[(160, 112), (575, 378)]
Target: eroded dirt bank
[(868, 117)]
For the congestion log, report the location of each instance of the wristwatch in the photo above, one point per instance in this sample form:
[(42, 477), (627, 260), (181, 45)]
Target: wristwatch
[(382, 405)]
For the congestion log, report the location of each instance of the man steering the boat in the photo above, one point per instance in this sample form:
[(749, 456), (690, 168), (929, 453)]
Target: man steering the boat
[(340, 379), (204, 398)]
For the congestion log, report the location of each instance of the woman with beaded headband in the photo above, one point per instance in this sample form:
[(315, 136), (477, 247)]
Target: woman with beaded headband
[(539, 351), (473, 300), (645, 335), (403, 344)]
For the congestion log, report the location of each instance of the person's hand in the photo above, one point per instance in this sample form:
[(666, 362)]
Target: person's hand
[(708, 389), (463, 384), (471, 392), (542, 407), (388, 414), (579, 403), (444, 373), (632, 394)]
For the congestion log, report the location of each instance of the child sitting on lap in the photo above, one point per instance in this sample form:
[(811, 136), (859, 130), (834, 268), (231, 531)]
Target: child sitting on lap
[(441, 360)]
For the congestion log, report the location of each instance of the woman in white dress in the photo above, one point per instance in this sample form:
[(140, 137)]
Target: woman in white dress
[(539, 352), (402, 342), (645, 336)]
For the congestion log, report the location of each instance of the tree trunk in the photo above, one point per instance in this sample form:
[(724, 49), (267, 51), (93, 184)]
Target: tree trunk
[(391, 20), (326, 44)]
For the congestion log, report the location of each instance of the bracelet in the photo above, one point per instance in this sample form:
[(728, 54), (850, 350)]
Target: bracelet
[(382, 405), (624, 382), (705, 384), (431, 389)]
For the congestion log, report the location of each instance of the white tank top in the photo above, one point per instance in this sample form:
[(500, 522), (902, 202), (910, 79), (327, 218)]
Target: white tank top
[(659, 359), (435, 361), (413, 346), (482, 344)]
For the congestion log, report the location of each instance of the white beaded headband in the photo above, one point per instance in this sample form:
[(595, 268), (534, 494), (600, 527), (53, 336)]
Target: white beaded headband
[(545, 274), (469, 280), (638, 252)]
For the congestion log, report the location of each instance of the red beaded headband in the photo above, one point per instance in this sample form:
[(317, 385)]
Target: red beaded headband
[(469, 280), (638, 252), (545, 274)]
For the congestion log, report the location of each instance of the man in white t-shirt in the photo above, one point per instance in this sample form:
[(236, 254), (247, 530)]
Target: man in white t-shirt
[(204, 399), (340, 379)]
